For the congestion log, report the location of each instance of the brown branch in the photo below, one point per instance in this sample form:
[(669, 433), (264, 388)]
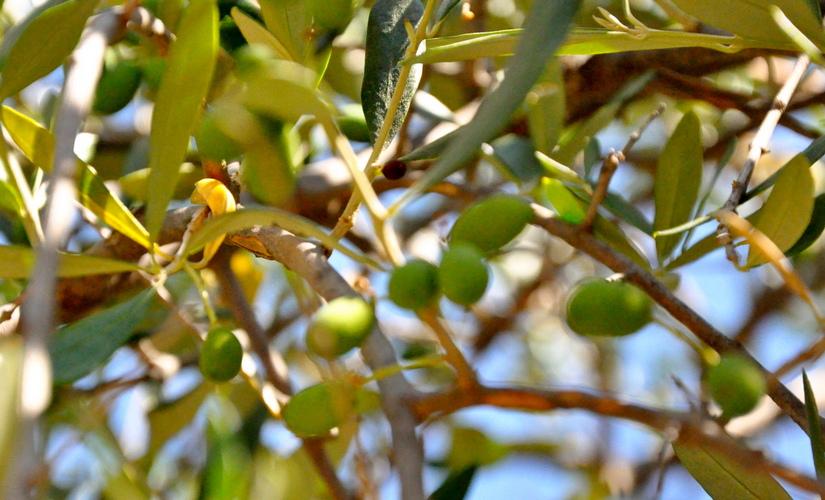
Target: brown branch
[(307, 260), (759, 147), (611, 163), (642, 278), (692, 428)]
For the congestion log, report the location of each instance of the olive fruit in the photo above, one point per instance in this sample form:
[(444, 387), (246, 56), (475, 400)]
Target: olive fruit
[(736, 384), (492, 223), (463, 274), (331, 14), (602, 308), (394, 170), (320, 408), (117, 86), (340, 326), (414, 285), (221, 355)]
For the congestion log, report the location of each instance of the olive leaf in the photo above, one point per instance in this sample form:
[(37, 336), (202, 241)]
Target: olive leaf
[(545, 29), (85, 345), (678, 177), (177, 104), (785, 216), (387, 42)]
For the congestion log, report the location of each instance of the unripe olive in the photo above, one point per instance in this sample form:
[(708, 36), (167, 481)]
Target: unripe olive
[(414, 285), (601, 308), (317, 410), (340, 326), (117, 86), (492, 223), (353, 124), (736, 384), (221, 355), (463, 274), (331, 14)]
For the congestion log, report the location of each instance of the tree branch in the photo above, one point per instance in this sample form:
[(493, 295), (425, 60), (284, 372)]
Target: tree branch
[(642, 278)]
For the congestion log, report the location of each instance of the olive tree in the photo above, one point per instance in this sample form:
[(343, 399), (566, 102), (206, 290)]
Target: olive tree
[(411, 248)]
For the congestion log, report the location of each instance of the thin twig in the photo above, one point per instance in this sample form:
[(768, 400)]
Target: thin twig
[(759, 147), (466, 375), (274, 365), (611, 163), (307, 259), (692, 427), (85, 67)]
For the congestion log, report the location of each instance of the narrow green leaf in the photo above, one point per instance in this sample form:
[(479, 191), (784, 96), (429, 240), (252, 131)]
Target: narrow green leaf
[(518, 156), (813, 153), (817, 443), (814, 229), (725, 478), (752, 18), (45, 43), (286, 91), (544, 31), (177, 104), (431, 150), (18, 262), (445, 8), (267, 171), (10, 201), (289, 21), (456, 486), (546, 108), (582, 41), (566, 204), (11, 363), (83, 346), (37, 144), (387, 42), (678, 177), (255, 33), (34, 140), (695, 252), (785, 216), (247, 218), (95, 196), (619, 207)]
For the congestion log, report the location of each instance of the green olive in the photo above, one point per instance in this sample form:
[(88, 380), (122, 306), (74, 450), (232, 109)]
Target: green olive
[(331, 14), (118, 84), (492, 223), (414, 285), (221, 355), (601, 308), (320, 408), (463, 274), (736, 384), (340, 326)]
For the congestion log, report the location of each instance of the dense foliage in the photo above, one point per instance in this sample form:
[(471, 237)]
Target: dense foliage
[(411, 249)]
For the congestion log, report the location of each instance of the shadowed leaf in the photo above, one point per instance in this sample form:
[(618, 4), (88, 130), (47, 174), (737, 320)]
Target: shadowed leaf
[(177, 104), (387, 42), (83, 346)]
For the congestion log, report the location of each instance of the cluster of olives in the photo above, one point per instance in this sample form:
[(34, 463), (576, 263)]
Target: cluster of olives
[(462, 276)]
